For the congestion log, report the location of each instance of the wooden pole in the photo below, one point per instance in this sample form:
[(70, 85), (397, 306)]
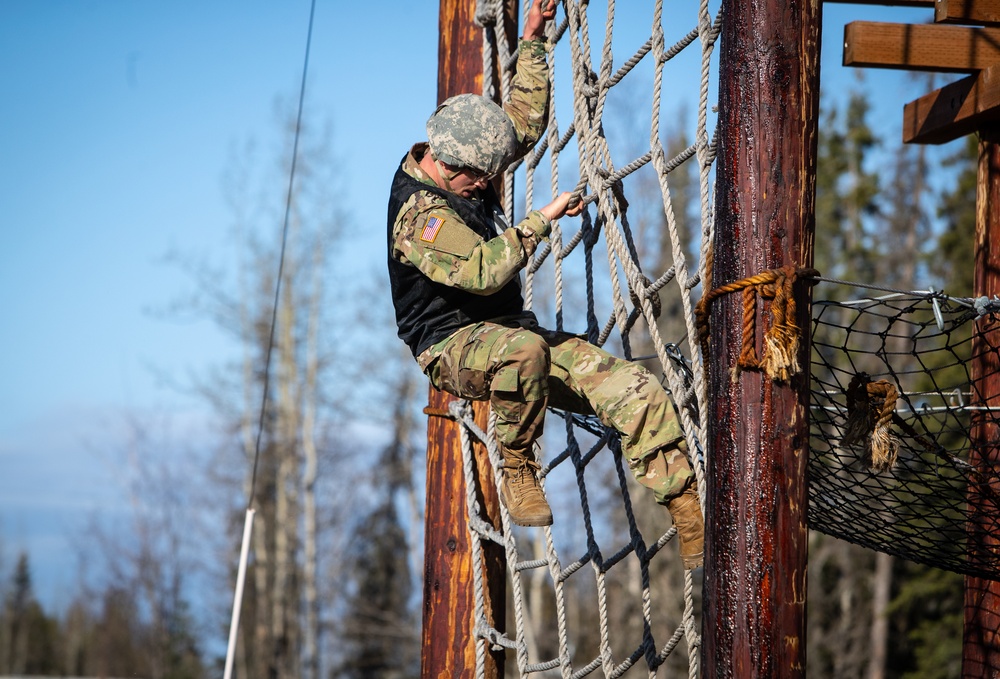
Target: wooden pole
[(755, 574), (981, 639), (449, 643)]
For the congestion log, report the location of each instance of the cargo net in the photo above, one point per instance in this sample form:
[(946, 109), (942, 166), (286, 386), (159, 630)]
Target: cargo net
[(603, 591), (905, 449)]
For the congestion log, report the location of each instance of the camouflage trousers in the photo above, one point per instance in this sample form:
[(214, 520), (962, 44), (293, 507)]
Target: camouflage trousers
[(521, 371)]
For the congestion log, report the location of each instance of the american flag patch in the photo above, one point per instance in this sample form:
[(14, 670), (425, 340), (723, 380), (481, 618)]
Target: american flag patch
[(431, 229)]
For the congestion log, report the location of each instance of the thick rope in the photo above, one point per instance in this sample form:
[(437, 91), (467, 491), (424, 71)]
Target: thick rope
[(870, 409), (780, 359)]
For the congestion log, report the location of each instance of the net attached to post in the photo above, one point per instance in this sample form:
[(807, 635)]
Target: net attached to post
[(603, 591), (900, 424)]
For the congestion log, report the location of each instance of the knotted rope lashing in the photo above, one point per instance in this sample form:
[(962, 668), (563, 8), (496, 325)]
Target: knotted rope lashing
[(781, 340), (870, 409)]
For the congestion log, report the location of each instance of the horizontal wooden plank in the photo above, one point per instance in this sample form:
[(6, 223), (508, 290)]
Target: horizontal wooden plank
[(985, 12), (955, 110), (981, 12), (885, 3), (920, 47)]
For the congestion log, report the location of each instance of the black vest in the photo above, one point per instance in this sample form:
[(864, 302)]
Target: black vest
[(427, 312)]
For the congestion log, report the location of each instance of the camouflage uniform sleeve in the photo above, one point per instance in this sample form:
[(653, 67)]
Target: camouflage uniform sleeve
[(431, 236), (528, 105)]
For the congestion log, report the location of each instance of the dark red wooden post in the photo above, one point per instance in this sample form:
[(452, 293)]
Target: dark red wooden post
[(755, 574), (981, 643)]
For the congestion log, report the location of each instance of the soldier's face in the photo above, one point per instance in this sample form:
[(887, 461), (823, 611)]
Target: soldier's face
[(467, 180)]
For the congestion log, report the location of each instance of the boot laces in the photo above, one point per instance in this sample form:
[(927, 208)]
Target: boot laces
[(523, 476)]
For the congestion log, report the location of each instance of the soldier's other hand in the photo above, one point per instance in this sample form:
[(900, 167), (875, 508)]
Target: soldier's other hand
[(561, 206), (574, 207), (541, 12)]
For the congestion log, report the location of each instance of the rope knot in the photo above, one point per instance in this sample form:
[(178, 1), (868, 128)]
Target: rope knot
[(780, 359), (870, 409), (643, 289), (589, 86), (488, 12)]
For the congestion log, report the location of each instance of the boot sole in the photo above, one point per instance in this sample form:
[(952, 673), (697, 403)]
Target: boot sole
[(532, 523)]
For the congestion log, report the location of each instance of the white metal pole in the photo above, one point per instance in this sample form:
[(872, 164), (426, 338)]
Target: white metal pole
[(238, 601)]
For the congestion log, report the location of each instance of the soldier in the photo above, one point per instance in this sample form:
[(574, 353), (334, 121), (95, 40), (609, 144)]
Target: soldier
[(454, 266)]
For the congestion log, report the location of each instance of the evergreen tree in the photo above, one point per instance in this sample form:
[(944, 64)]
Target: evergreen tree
[(379, 626), (926, 613), (904, 225), (116, 649), (926, 616), (846, 193), (950, 261), (30, 637), (840, 594)]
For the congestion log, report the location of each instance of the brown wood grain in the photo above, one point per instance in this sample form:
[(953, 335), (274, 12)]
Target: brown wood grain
[(449, 644), (981, 639), (920, 47), (955, 110), (945, 11), (984, 12), (885, 3), (755, 574)]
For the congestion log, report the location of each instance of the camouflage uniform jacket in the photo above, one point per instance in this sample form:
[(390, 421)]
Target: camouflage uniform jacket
[(428, 233)]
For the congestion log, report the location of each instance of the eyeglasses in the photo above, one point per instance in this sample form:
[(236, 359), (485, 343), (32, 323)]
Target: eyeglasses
[(479, 175)]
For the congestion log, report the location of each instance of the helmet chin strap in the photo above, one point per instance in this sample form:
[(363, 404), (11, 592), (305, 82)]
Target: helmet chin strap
[(444, 173)]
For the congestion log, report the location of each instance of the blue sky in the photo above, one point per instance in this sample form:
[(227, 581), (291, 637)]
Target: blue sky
[(117, 123)]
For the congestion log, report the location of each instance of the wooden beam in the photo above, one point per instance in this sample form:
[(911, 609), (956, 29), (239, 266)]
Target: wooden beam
[(919, 47), (929, 4), (967, 12), (984, 12), (954, 110)]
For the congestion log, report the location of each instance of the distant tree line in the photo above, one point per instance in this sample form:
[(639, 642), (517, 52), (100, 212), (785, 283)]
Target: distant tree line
[(109, 633)]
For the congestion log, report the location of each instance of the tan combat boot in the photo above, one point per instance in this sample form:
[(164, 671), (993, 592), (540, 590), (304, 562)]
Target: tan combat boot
[(522, 494), (685, 510)]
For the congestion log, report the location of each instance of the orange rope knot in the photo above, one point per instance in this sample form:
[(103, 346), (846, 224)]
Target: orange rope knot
[(780, 360), (870, 410)]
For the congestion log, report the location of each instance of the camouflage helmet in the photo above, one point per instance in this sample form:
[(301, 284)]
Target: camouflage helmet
[(471, 131)]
